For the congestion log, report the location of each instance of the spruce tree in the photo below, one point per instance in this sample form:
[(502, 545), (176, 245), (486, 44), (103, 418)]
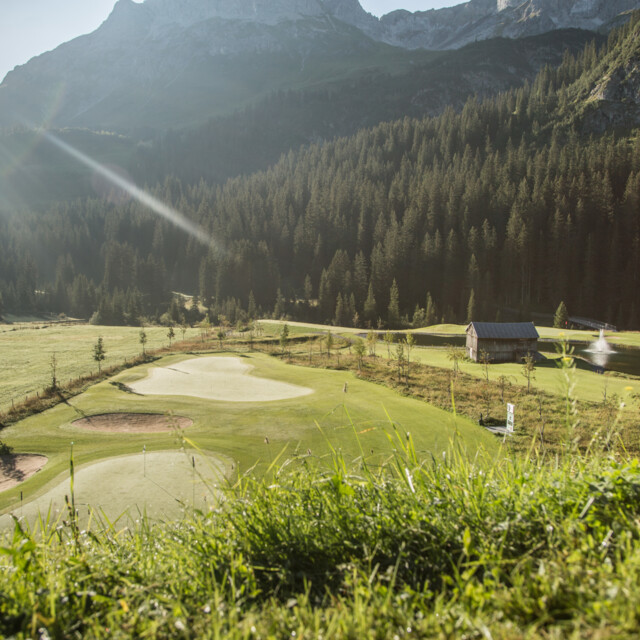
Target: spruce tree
[(370, 310), (393, 311), (99, 353), (471, 307), (561, 319)]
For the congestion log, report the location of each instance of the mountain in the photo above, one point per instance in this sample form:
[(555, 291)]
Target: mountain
[(609, 97), (454, 27), (34, 174), (173, 63), (504, 203)]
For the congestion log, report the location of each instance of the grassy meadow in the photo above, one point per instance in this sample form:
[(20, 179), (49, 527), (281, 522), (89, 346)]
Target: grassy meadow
[(26, 351)]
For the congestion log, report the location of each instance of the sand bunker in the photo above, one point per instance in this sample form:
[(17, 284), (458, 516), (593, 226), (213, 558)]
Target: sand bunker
[(133, 422), (225, 379), (15, 469)]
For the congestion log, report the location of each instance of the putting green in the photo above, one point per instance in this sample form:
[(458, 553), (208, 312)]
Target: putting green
[(162, 484)]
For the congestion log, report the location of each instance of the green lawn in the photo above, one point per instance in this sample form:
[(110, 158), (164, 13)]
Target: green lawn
[(244, 433), (589, 385), (626, 338), (27, 350)]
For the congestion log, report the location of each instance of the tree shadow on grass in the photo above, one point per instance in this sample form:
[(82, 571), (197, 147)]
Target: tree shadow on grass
[(126, 389)]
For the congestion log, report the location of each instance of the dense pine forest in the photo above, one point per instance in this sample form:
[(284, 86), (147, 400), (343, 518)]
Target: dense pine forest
[(510, 205)]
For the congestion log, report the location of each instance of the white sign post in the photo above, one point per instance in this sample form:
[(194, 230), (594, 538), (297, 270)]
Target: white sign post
[(510, 417)]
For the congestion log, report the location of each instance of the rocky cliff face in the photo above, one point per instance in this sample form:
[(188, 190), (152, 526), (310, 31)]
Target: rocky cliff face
[(168, 52), (454, 27)]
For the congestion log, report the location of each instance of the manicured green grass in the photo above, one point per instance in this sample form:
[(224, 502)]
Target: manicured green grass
[(626, 338), (246, 433), (161, 485), (27, 350), (588, 385)]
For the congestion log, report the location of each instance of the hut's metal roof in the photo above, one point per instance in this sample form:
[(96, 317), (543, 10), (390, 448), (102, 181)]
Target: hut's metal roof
[(505, 330)]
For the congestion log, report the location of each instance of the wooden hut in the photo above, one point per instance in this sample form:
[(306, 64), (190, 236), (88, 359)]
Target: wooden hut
[(501, 341)]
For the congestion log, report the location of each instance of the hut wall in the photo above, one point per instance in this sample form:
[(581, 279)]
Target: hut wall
[(507, 350)]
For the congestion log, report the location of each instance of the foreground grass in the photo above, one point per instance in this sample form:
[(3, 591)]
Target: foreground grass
[(453, 547)]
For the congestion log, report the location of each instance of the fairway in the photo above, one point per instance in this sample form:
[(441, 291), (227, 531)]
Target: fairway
[(359, 421), (161, 484)]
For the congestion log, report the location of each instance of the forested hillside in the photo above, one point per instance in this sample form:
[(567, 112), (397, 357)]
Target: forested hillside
[(508, 204), (350, 94)]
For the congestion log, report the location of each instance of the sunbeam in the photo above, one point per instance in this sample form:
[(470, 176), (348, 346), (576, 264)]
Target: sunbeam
[(155, 205)]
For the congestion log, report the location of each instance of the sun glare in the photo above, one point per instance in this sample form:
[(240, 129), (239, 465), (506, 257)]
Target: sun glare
[(147, 200)]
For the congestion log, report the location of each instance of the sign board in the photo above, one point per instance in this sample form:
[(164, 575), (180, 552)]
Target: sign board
[(510, 417)]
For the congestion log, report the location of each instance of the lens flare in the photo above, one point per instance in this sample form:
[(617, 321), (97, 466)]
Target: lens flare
[(147, 200)]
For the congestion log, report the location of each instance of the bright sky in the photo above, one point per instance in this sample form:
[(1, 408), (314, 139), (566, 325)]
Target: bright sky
[(30, 27)]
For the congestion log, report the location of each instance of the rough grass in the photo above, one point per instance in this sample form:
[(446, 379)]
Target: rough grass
[(455, 547), (541, 416), (27, 349)]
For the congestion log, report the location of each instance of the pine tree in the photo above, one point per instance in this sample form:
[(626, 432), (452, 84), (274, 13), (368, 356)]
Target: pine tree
[(561, 319), (393, 311), (370, 310), (430, 313), (99, 353), (471, 307), (340, 318), (252, 310)]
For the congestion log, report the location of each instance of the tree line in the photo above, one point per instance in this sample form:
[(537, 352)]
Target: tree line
[(505, 206)]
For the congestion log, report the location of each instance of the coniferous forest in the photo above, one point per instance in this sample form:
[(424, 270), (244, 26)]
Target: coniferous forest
[(510, 205)]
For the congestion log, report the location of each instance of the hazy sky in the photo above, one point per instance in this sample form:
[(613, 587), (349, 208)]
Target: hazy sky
[(30, 27)]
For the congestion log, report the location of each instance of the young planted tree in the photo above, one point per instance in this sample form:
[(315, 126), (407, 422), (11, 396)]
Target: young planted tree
[(400, 361), (284, 338), (99, 353), (388, 340), (328, 340), (54, 369), (359, 349), (143, 341), (372, 341), (528, 369), (171, 334), (221, 335), (455, 354), (503, 383), (410, 342), (485, 359)]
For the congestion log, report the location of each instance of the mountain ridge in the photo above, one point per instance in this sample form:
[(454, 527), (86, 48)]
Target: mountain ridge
[(149, 60)]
